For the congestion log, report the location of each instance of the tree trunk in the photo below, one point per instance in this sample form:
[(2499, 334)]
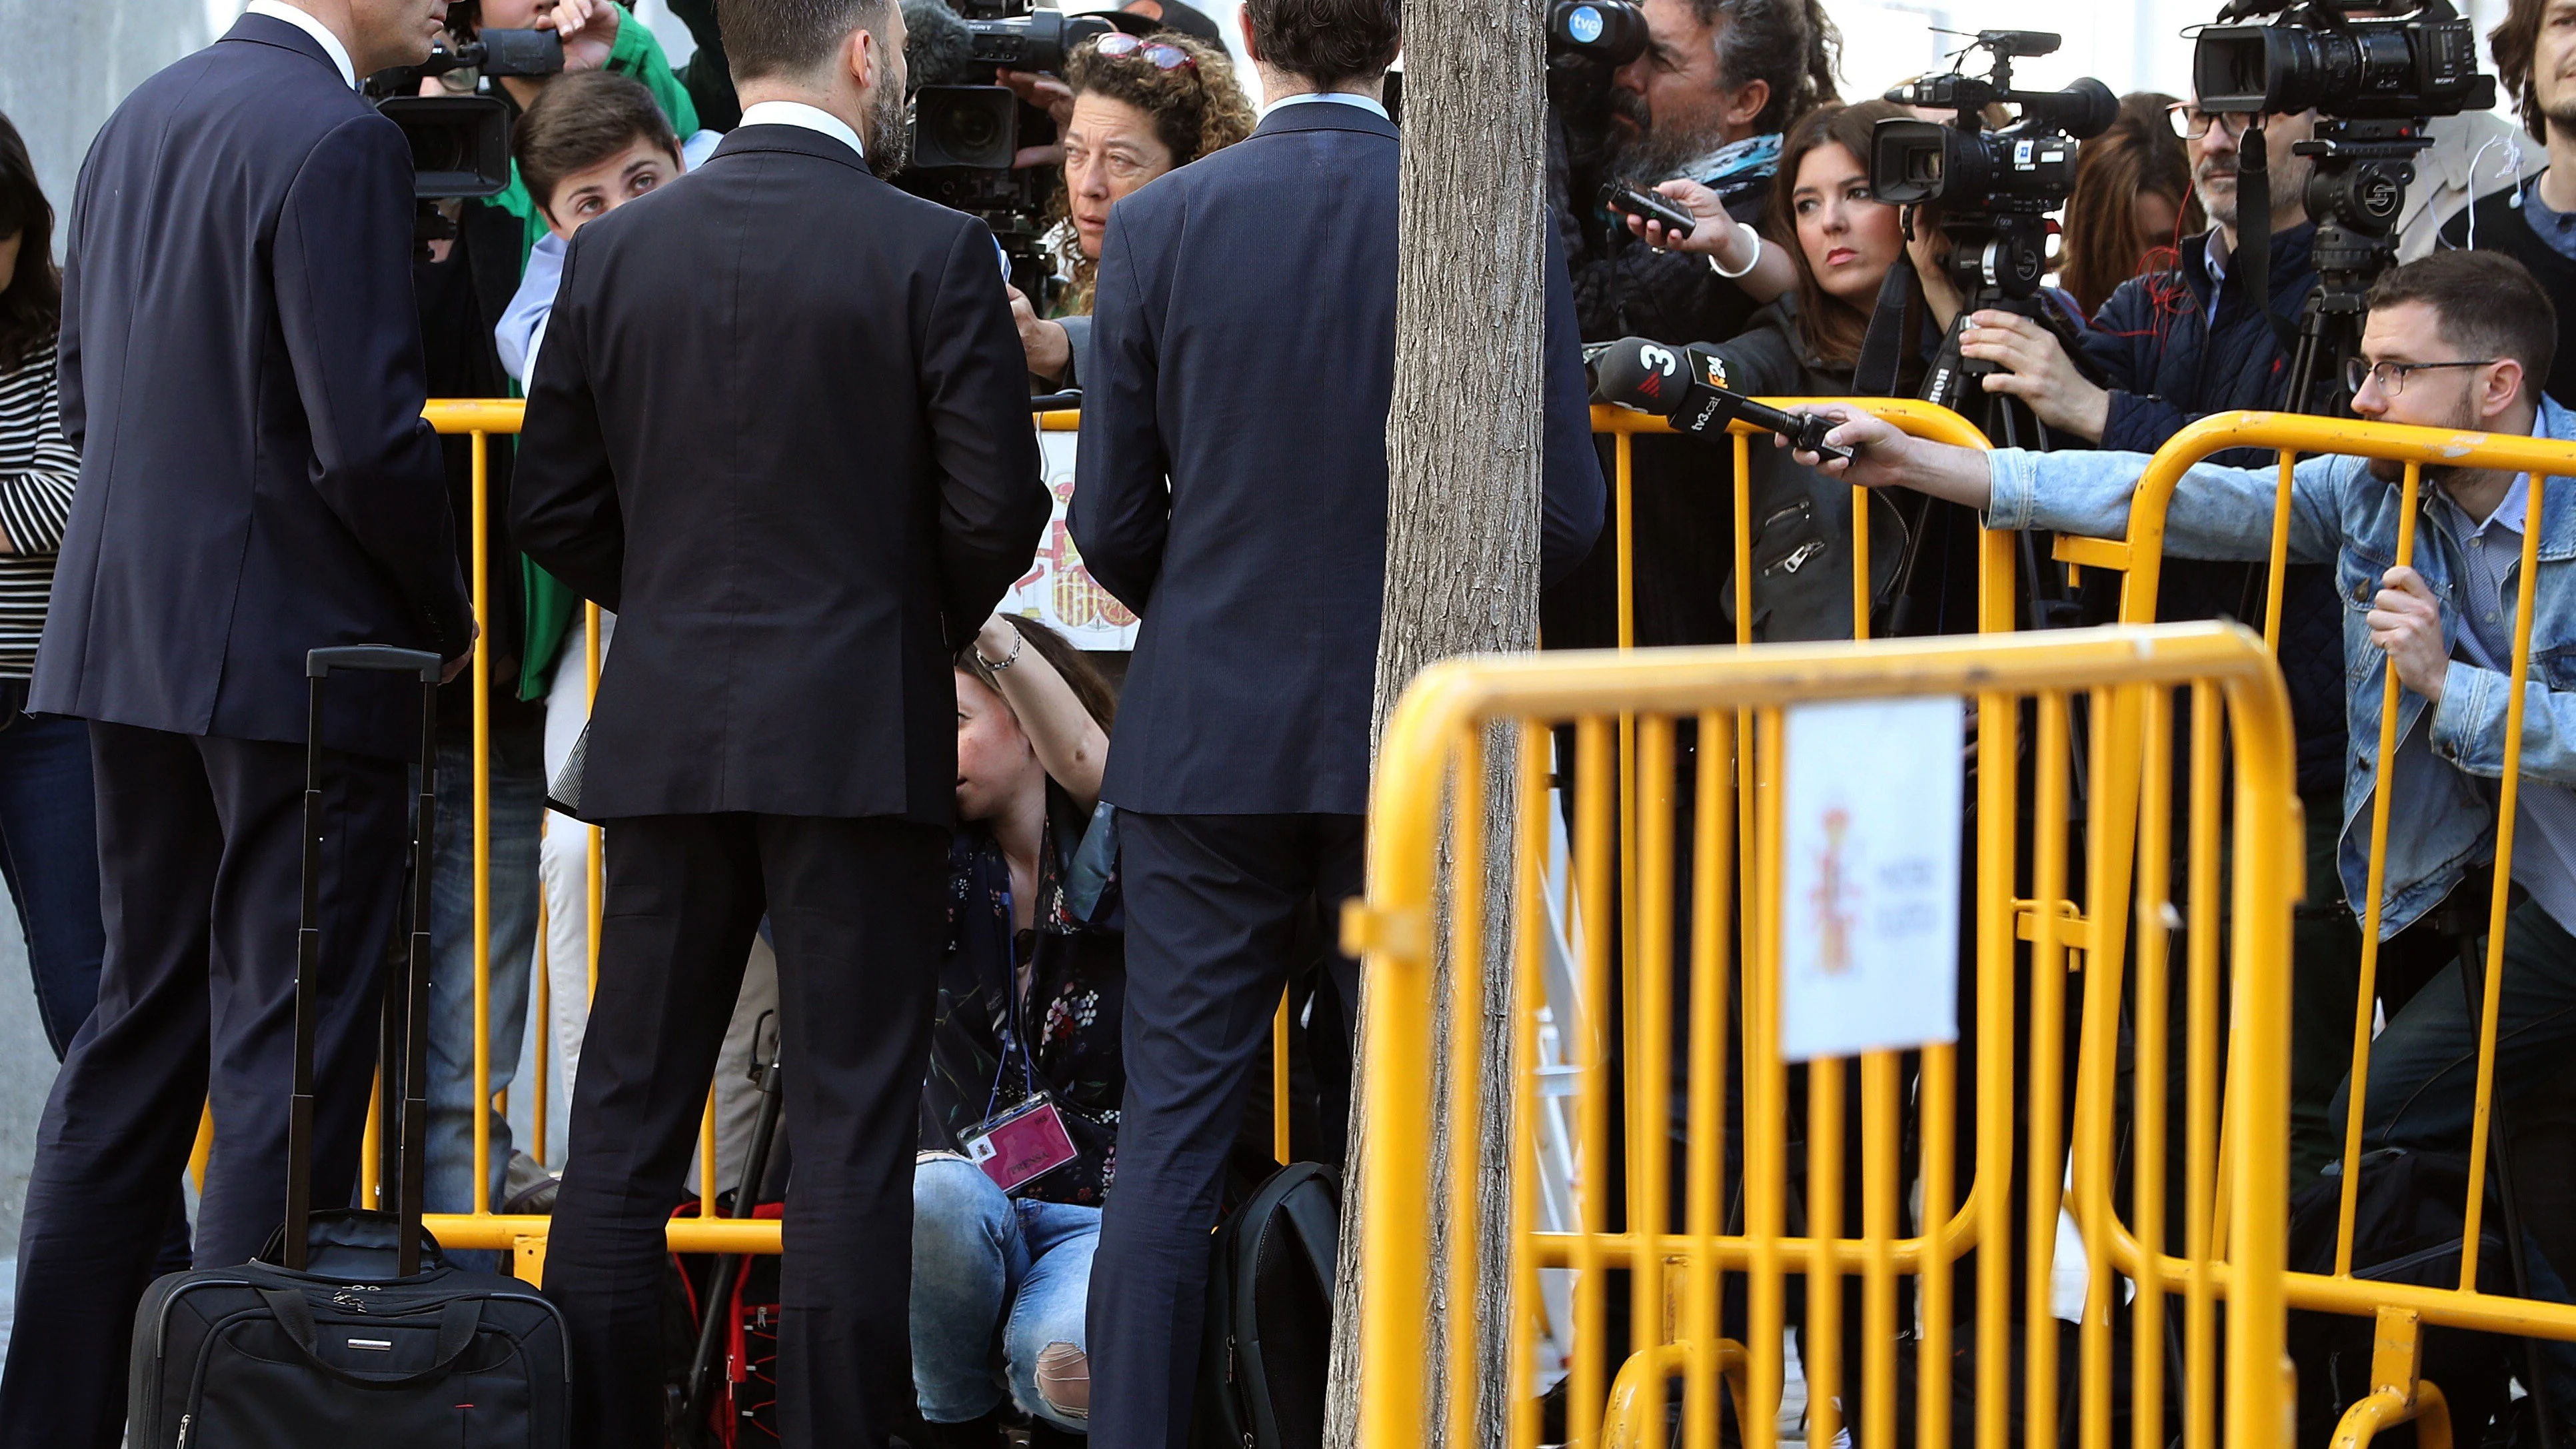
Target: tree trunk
[(1464, 455)]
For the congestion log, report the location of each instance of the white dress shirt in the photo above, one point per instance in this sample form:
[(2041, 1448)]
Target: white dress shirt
[(331, 46), (812, 118), (1342, 98)]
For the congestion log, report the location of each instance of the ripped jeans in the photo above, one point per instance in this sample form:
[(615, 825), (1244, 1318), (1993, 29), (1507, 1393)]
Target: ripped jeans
[(999, 1289)]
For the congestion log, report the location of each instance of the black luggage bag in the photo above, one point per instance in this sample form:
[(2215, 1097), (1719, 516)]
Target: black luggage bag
[(351, 1331)]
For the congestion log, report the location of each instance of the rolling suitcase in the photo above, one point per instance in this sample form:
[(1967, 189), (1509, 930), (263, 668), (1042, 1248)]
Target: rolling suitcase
[(350, 1331)]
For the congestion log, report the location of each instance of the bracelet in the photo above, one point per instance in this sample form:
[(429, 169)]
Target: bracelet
[(1736, 276), (1017, 639)]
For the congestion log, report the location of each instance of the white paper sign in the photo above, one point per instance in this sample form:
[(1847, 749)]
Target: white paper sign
[(1869, 895), (1056, 589)]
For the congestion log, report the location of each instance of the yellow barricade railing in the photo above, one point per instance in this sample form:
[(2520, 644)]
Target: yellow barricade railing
[(2402, 1310), (1431, 859)]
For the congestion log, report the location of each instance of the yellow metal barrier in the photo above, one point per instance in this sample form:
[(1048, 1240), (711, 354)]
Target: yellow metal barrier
[(1419, 909), (2401, 1310)]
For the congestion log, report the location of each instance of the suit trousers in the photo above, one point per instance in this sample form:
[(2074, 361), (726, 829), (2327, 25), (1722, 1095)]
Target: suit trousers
[(1213, 906), (858, 913), (200, 851)]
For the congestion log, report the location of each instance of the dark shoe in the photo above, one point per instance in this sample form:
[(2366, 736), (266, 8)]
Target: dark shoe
[(983, 1433), (1043, 1435)]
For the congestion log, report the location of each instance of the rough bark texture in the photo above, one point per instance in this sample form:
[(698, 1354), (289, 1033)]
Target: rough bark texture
[(1462, 543)]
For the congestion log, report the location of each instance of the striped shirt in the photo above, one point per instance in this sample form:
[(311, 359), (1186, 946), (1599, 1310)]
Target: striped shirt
[(37, 471)]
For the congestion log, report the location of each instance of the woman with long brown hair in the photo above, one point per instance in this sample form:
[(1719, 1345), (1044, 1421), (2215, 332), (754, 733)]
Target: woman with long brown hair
[(1841, 243), (2131, 204)]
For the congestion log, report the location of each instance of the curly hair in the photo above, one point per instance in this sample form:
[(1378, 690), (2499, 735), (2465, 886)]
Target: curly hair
[(1196, 108)]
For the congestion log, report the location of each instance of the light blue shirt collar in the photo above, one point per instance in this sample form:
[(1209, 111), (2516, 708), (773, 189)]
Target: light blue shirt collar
[(1341, 98), (812, 118)]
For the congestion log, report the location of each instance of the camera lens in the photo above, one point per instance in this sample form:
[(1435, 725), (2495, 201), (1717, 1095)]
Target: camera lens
[(966, 130)]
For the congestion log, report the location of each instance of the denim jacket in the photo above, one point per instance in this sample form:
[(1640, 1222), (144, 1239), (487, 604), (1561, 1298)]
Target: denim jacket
[(2442, 816)]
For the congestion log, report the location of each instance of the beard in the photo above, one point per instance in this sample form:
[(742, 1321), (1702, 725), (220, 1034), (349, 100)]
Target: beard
[(2216, 188), (2560, 110), (1647, 155), (888, 134)]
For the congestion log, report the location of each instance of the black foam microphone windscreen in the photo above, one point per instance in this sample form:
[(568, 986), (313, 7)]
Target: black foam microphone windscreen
[(938, 49)]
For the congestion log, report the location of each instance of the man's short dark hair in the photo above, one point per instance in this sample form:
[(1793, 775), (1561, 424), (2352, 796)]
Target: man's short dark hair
[(581, 120), (2488, 304), (792, 37), (1327, 42)]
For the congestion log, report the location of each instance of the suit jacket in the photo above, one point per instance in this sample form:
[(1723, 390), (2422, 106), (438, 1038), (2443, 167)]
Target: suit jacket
[(241, 370), (1232, 482), (780, 425)]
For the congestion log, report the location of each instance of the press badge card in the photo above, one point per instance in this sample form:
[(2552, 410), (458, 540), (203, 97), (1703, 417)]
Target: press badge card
[(1869, 890), (1021, 1145)]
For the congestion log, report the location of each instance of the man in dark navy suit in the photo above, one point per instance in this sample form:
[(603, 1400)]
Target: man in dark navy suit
[(780, 425), (241, 370), (1233, 492)]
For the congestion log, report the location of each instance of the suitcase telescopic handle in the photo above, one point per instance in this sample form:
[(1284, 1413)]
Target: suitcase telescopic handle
[(373, 658), (319, 666)]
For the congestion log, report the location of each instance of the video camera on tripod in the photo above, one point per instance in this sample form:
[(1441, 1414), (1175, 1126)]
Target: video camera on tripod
[(2376, 86), (1994, 190), (460, 145)]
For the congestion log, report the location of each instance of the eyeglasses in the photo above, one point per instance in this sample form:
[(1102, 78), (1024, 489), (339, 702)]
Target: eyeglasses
[(1156, 54), (2392, 375), (2191, 122)]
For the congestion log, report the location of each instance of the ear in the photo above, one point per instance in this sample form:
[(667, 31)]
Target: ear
[(1243, 22), (862, 58), (1748, 102), (2504, 381)]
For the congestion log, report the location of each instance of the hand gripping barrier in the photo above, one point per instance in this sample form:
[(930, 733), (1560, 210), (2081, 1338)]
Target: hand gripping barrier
[(1442, 842), (2398, 1392)]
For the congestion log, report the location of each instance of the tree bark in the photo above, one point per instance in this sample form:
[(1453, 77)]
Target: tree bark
[(1464, 456)]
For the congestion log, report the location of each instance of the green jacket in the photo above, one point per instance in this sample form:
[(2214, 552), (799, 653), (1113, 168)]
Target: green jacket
[(551, 605)]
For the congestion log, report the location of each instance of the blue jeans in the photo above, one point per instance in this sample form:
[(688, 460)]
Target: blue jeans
[(518, 808), (991, 1273), (49, 854)]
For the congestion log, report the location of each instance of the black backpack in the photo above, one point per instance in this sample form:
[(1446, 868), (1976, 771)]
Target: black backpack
[(1269, 1330), (2407, 1221)]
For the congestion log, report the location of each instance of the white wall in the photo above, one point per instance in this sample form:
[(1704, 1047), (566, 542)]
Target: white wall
[(64, 64)]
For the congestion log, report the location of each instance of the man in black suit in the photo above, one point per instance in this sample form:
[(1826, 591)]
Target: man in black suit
[(241, 369), (780, 425), (1233, 492)]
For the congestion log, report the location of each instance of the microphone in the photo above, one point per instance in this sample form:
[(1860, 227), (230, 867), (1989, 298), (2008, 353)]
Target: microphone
[(1687, 388), (938, 49)]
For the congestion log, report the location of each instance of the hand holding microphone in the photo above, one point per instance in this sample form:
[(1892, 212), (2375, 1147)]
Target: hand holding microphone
[(1688, 388)]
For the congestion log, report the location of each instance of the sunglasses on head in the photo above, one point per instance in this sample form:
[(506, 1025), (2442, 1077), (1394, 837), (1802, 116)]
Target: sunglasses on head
[(1156, 54)]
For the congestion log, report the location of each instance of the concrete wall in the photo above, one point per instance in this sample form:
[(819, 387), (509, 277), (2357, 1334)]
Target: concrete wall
[(64, 64)]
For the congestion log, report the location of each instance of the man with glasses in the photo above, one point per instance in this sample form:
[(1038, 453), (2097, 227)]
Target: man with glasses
[(2457, 340)]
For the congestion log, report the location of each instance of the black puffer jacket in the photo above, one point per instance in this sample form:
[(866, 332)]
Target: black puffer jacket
[(2170, 363)]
